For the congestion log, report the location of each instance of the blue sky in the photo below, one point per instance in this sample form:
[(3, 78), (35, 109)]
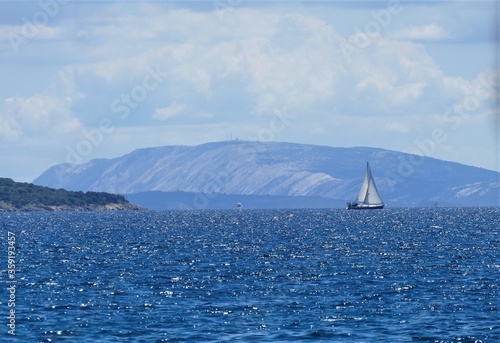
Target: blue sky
[(84, 80)]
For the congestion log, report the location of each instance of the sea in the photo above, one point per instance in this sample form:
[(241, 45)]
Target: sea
[(316, 275)]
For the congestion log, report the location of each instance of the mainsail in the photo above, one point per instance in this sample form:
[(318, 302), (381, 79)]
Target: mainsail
[(368, 196)]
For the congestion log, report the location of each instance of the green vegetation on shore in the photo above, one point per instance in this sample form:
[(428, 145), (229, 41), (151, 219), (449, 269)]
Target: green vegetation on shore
[(20, 196)]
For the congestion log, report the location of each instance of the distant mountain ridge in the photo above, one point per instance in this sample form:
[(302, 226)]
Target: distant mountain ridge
[(282, 169)]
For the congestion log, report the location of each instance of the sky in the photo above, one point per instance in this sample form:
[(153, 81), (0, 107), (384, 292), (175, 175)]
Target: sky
[(99, 79)]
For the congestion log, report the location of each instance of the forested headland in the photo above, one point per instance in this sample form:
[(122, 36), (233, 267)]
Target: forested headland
[(22, 196)]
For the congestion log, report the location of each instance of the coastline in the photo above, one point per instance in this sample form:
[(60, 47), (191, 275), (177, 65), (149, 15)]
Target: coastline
[(67, 208)]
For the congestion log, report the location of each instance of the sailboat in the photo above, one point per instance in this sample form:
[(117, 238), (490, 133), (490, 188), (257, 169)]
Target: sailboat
[(368, 196)]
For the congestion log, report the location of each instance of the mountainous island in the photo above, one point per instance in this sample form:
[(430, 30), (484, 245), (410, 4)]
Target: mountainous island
[(275, 175), (20, 196)]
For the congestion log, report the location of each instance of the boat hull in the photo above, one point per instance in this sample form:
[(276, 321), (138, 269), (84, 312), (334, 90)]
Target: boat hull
[(354, 206)]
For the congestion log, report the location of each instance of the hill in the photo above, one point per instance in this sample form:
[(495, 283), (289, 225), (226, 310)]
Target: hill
[(20, 196), (282, 170)]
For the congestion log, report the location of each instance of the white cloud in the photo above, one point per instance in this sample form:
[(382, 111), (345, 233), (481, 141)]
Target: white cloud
[(235, 72), (429, 32), (28, 32), (397, 127), (297, 62), (9, 128), (169, 112), (203, 115), (46, 114), (37, 115)]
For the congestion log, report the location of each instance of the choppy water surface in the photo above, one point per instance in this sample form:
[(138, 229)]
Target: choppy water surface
[(399, 275)]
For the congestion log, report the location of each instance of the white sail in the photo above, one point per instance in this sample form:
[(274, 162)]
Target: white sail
[(368, 194), (364, 187), (372, 195)]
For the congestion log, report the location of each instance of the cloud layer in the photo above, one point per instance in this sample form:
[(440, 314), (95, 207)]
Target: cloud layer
[(171, 67)]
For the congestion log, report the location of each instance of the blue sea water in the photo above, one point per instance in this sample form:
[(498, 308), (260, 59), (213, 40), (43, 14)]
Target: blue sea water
[(395, 275)]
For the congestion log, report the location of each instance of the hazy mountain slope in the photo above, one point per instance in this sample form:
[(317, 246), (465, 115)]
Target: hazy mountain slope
[(281, 169)]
